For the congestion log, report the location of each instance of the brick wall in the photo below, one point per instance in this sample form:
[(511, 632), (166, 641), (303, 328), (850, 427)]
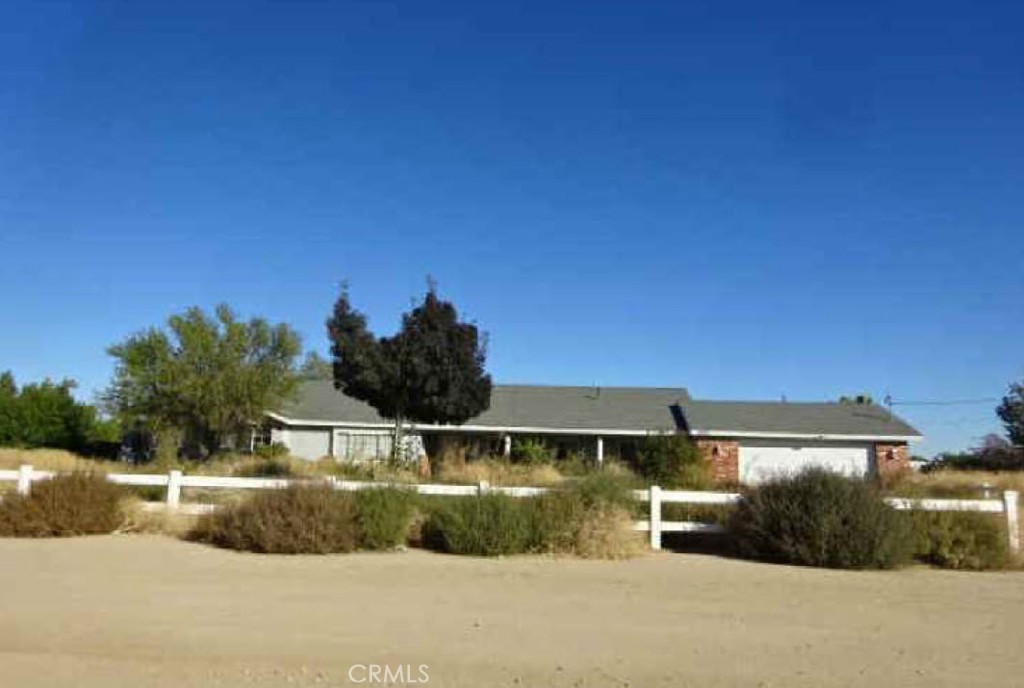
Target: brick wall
[(891, 458), (724, 457)]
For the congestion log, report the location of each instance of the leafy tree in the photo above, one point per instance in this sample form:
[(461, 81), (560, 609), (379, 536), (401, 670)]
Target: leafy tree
[(9, 424), (204, 378), (8, 388), (1011, 412), (864, 399), (315, 367), (51, 417), (46, 414), (431, 371)]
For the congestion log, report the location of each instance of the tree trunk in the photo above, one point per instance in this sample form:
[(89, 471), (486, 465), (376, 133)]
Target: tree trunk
[(397, 455)]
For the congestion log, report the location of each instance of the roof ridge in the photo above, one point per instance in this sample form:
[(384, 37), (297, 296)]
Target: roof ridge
[(549, 386), (780, 402)]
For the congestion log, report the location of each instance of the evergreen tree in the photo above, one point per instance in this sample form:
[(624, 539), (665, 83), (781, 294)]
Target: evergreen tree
[(431, 371)]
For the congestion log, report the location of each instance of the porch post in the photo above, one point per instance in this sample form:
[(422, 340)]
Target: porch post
[(506, 448), (600, 451)]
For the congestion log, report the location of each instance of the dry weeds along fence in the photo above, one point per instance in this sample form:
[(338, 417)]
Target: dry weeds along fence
[(175, 481)]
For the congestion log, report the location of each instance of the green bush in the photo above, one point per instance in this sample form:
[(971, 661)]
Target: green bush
[(533, 452), (486, 525), (960, 540), (385, 516), (673, 461), (67, 505), (46, 414), (605, 487), (274, 450), (592, 518), (293, 520), (819, 518), (556, 519)]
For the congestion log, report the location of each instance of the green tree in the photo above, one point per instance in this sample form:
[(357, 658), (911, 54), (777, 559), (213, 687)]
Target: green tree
[(431, 371), (9, 425), (1011, 412), (864, 399), (204, 379), (315, 367), (51, 417)]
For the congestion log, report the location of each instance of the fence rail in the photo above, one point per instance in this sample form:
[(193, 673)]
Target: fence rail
[(175, 481)]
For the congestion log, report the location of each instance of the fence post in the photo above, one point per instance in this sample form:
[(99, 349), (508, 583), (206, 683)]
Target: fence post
[(654, 498), (1012, 519), (24, 479), (173, 489), (483, 487)]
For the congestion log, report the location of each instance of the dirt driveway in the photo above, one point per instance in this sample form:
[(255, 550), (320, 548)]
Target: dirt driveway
[(148, 611)]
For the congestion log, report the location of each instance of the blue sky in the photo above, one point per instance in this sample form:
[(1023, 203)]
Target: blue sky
[(749, 200)]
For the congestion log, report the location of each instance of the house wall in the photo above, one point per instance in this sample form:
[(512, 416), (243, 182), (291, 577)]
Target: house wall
[(724, 457), (357, 445), (723, 454), (762, 459), (350, 444), (891, 458), (305, 443)]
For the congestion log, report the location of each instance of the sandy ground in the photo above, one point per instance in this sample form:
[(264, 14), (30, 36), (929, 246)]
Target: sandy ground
[(146, 611)]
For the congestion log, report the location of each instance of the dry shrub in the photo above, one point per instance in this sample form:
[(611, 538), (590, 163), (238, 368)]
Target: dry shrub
[(247, 465), (72, 504), (960, 540), (503, 473), (591, 518), (819, 518), (485, 525), (385, 517), (607, 533), (312, 519), (375, 471), (273, 467)]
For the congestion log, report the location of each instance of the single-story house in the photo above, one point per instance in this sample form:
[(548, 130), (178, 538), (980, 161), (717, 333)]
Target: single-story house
[(744, 441)]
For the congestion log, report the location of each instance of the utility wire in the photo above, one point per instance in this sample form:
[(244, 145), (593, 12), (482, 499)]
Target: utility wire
[(951, 402)]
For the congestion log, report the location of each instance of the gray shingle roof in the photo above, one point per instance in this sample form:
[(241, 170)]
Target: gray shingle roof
[(583, 408), (625, 408), (867, 420)]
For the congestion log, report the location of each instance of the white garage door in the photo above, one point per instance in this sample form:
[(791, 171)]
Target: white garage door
[(763, 459)]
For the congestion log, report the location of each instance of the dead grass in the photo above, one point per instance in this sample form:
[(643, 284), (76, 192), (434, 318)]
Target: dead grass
[(140, 521), (962, 484), (57, 460), (501, 473), (608, 533), (494, 471)]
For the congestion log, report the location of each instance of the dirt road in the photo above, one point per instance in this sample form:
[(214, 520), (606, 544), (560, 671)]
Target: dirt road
[(149, 611)]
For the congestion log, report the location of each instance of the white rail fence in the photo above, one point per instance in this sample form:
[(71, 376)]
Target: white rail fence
[(175, 481)]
